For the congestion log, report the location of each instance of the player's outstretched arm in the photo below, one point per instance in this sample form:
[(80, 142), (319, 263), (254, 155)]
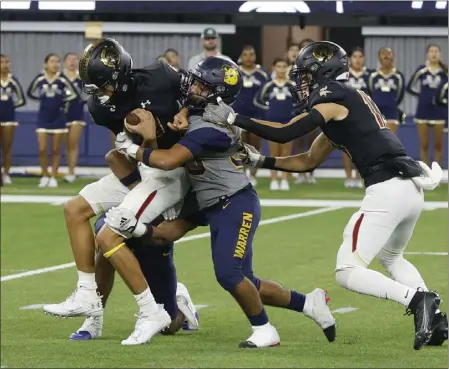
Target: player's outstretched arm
[(305, 162)]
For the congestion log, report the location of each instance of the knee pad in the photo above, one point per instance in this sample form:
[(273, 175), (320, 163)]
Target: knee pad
[(229, 279), (342, 275)]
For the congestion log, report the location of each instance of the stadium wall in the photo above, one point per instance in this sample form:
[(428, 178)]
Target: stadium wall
[(96, 142)]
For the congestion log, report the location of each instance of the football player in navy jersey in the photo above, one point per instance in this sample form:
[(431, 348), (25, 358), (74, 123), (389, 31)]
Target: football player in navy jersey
[(275, 95), (254, 77), (53, 90), (358, 79), (11, 98), (351, 121), (425, 84), (74, 114), (386, 87)]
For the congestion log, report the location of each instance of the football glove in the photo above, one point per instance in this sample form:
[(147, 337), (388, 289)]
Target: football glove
[(124, 222), (221, 114)]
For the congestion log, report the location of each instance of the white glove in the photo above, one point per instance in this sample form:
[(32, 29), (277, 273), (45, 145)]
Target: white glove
[(221, 114), (124, 222), (251, 157), (125, 145), (430, 178)]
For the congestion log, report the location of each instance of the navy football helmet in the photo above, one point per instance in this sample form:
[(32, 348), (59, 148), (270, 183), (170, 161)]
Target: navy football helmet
[(105, 63), (317, 64), (211, 78)]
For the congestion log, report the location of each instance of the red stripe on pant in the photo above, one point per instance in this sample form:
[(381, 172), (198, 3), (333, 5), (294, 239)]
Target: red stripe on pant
[(355, 232), (145, 204)]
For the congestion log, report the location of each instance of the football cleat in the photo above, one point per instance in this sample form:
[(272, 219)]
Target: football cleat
[(439, 330), (185, 305), (263, 336), (147, 325), (186, 326), (316, 309), (82, 302), (91, 329), (424, 313)]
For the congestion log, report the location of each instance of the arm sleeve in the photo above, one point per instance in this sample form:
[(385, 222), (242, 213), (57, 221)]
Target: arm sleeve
[(206, 139), (21, 100), (31, 92), (286, 133)]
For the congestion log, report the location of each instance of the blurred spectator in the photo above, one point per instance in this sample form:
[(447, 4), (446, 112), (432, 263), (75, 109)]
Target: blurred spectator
[(426, 84), (53, 90), (172, 57), (280, 105), (304, 143), (11, 98), (254, 77), (209, 40), (358, 79), (386, 87), (75, 114)]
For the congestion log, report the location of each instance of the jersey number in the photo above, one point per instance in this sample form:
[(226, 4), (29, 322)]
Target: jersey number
[(380, 119)]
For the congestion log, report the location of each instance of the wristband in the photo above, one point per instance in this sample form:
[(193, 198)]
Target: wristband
[(269, 162), (146, 156)]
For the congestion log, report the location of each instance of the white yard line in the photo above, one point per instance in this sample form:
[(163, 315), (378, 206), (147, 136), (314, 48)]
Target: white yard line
[(59, 200), (426, 253), (184, 239)]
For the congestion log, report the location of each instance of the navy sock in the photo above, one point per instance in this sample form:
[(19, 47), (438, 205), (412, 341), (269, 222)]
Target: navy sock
[(259, 319), (297, 301)]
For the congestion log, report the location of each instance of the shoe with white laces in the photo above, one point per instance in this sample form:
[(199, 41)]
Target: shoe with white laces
[(263, 336), (43, 182), (349, 183), (52, 182), (82, 302), (147, 325), (316, 309), (284, 186), (186, 306), (91, 329), (274, 186), (310, 178)]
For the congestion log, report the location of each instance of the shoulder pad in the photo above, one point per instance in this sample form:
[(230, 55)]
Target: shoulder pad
[(332, 92)]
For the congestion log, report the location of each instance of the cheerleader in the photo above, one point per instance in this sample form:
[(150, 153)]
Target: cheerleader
[(386, 87), (426, 84), (11, 98), (358, 79), (74, 115), (254, 77), (279, 102), (53, 90)]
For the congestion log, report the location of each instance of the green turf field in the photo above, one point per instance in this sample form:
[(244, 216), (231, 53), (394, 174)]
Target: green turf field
[(298, 251)]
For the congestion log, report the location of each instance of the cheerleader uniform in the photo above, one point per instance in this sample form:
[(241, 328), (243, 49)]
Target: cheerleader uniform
[(11, 98)]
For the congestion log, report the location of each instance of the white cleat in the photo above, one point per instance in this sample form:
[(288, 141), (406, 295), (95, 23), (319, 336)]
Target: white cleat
[(301, 179), (91, 329), (274, 186), (358, 183), (316, 309), (263, 336), (52, 182), (147, 325), (285, 186), (43, 182), (6, 180), (82, 302), (186, 306)]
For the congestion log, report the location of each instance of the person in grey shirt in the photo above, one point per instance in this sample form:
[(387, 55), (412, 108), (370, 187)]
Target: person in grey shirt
[(226, 200), (209, 40)]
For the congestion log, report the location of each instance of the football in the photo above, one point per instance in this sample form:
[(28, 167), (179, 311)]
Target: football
[(132, 119)]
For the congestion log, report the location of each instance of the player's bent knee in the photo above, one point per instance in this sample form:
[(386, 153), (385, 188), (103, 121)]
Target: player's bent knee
[(342, 275), (387, 260), (107, 238), (78, 209), (229, 279)]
